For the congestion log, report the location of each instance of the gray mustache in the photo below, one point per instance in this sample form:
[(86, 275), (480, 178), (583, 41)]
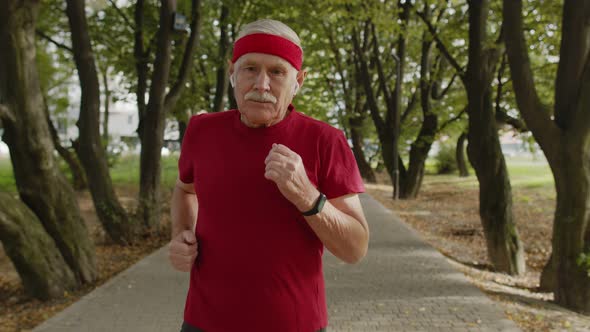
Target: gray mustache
[(264, 97)]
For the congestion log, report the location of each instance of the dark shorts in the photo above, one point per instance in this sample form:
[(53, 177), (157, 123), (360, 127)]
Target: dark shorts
[(188, 328)]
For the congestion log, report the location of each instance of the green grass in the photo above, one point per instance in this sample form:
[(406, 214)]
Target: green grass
[(124, 172), (523, 174), (7, 183), (530, 174)]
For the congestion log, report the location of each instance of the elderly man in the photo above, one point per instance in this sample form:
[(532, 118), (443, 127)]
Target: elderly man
[(261, 191)]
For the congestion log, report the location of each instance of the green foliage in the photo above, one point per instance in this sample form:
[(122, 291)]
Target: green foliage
[(446, 162), (583, 262), (113, 154), (326, 29)]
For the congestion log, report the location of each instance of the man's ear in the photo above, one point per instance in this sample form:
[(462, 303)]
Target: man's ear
[(231, 73), (300, 78)]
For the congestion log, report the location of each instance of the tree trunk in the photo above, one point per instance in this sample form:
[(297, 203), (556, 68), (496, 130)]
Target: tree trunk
[(40, 265), (565, 141), (411, 183), (141, 63), (384, 127), (182, 125), (233, 104), (39, 182), (78, 177), (160, 102), (460, 156), (571, 166), (504, 247), (367, 173), (153, 123), (548, 276), (113, 217), (222, 74), (388, 127), (107, 104), (572, 218)]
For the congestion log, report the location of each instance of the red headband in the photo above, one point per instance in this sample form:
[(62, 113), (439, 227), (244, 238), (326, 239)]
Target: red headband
[(269, 44)]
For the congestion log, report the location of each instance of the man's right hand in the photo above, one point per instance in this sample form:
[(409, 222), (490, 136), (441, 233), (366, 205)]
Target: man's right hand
[(183, 251)]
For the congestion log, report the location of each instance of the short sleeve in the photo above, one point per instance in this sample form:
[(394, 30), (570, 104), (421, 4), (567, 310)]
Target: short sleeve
[(186, 159), (339, 172)]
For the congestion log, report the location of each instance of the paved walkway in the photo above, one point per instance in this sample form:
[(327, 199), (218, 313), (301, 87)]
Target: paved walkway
[(402, 285)]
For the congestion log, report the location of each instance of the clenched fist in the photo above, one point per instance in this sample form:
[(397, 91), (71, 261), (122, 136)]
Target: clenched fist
[(285, 168), (183, 251)]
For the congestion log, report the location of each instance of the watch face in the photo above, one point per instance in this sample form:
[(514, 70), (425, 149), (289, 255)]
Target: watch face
[(317, 208)]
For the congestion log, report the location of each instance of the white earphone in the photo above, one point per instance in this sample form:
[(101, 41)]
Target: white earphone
[(296, 88), (231, 80)]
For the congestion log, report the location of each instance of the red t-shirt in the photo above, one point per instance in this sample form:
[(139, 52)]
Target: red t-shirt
[(259, 266)]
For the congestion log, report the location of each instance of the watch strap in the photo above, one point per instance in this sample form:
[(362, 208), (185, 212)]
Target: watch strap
[(317, 207)]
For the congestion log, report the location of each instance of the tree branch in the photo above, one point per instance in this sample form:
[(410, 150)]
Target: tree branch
[(187, 59), (442, 11), (441, 46), (410, 107), (453, 119), (503, 118), (207, 85), (380, 72), (122, 14), (500, 85), (335, 98), (535, 114), (446, 90), (582, 116), (337, 58), (54, 42), (151, 45), (366, 81), (6, 114)]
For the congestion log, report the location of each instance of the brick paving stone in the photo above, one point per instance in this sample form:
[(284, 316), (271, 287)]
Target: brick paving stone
[(402, 285)]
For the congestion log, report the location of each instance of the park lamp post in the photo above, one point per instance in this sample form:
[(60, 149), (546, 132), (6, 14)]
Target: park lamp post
[(396, 120)]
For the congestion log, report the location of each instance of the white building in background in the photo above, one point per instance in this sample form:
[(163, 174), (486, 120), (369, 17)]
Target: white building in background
[(123, 121), (122, 128), (4, 153)]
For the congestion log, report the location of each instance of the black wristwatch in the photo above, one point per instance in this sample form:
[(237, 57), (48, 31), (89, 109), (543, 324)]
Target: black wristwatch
[(318, 206)]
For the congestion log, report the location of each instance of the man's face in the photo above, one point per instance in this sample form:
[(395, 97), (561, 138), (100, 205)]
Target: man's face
[(264, 87)]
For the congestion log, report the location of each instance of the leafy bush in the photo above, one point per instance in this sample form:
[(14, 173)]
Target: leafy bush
[(446, 162)]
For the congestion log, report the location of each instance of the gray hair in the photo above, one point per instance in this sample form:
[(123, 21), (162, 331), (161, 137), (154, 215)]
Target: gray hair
[(272, 27)]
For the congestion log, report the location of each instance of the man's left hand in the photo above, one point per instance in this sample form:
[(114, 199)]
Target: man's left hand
[(285, 168)]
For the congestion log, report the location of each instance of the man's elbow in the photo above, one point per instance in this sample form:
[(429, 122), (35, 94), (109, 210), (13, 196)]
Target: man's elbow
[(354, 259), (358, 253)]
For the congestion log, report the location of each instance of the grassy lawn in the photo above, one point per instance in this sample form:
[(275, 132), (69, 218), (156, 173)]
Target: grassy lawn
[(6, 176), (124, 172), (523, 174)]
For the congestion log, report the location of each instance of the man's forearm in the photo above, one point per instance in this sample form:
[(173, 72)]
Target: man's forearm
[(344, 235), (183, 211)]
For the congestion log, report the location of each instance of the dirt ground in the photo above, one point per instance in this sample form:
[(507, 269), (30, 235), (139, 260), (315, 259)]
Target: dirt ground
[(19, 313), (447, 218)]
